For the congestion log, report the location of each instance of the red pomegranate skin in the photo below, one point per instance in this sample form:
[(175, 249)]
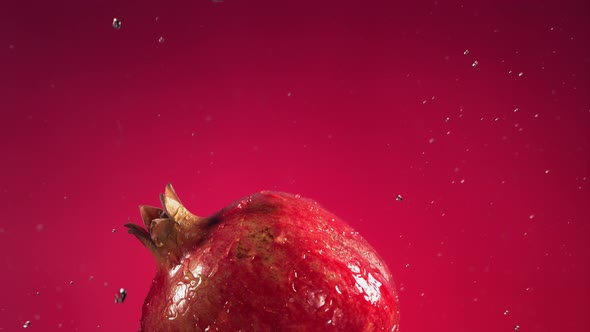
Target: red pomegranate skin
[(269, 262)]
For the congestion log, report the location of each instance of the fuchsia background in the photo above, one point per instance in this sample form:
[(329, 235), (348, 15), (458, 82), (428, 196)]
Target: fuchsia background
[(341, 101)]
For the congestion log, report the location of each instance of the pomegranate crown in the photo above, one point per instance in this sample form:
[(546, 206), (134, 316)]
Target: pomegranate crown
[(168, 229)]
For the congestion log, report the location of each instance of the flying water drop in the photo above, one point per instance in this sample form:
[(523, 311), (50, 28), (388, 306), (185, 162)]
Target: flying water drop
[(120, 296), (117, 23)]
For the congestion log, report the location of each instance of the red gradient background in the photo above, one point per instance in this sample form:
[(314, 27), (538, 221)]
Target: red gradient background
[(345, 102)]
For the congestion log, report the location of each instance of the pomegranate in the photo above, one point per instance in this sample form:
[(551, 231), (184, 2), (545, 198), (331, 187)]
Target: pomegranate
[(269, 262)]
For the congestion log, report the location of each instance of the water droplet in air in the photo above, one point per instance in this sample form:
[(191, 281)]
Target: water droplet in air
[(27, 324), (475, 63), (120, 296), (398, 198), (117, 23)]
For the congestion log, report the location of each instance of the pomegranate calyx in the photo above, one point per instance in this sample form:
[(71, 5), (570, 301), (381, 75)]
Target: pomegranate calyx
[(169, 228)]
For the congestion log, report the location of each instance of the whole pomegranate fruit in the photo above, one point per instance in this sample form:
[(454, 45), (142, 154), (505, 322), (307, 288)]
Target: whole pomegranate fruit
[(269, 262)]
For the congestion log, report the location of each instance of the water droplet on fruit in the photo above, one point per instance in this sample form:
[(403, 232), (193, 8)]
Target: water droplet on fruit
[(120, 296), (505, 312), (465, 52), (475, 64), (316, 298), (71, 282), (516, 328), (114, 230), (117, 23), (27, 324), (398, 198), (161, 40)]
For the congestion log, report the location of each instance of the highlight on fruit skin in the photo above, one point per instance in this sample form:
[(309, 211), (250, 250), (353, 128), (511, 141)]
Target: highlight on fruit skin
[(271, 261)]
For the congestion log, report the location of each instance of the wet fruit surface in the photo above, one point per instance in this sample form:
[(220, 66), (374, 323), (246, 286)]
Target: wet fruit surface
[(269, 262)]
